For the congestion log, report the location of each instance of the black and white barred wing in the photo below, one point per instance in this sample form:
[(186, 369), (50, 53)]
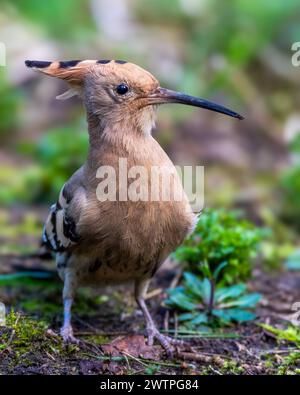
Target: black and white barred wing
[(60, 232)]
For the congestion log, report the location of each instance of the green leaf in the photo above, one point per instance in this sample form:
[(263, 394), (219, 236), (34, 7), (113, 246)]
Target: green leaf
[(218, 270), (249, 300), (229, 292), (181, 301), (176, 290), (238, 315), (194, 285), (201, 318), (205, 269), (206, 284), (186, 317), (223, 315)]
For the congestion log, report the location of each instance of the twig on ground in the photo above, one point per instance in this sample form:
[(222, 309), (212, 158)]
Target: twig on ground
[(175, 325), (280, 351), (127, 362), (215, 370), (173, 284), (216, 359), (153, 293), (134, 358), (166, 321), (50, 355), (176, 278)]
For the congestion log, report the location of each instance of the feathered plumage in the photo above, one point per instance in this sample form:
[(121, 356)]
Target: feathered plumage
[(113, 241)]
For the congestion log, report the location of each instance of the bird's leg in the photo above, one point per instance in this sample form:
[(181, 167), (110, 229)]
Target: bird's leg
[(67, 330), (68, 298), (166, 342)]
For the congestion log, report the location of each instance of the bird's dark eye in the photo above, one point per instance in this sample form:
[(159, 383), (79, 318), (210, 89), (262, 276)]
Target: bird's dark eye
[(122, 89)]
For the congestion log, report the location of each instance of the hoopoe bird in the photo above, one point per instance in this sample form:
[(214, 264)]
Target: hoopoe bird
[(113, 241)]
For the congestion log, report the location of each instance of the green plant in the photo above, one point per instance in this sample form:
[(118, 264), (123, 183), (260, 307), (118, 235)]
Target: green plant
[(290, 363), (198, 304), (290, 334), (217, 256), (221, 247)]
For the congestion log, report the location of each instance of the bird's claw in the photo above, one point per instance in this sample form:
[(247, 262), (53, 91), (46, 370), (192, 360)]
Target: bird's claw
[(66, 333), (165, 341)]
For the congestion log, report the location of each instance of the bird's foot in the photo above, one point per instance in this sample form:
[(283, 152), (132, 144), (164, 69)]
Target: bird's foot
[(165, 341), (66, 333)]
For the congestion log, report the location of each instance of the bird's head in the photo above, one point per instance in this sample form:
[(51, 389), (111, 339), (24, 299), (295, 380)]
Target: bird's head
[(116, 90)]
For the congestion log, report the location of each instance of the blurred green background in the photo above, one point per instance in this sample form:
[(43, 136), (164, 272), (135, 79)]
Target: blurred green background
[(237, 53)]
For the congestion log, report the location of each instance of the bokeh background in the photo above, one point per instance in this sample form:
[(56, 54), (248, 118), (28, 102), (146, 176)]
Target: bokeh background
[(237, 53)]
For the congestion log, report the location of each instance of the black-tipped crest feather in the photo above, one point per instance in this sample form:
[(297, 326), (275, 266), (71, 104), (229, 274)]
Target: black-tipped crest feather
[(39, 64)]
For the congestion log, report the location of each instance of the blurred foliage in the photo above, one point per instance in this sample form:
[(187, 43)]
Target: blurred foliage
[(293, 260), (225, 34), (29, 225), (9, 103), (290, 184), (19, 236), (294, 146), (221, 246), (20, 185), (290, 187), (279, 240), (54, 18), (59, 153), (24, 277), (212, 40)]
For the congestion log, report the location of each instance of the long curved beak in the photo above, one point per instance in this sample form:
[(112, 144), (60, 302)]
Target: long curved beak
[(163, 95)]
